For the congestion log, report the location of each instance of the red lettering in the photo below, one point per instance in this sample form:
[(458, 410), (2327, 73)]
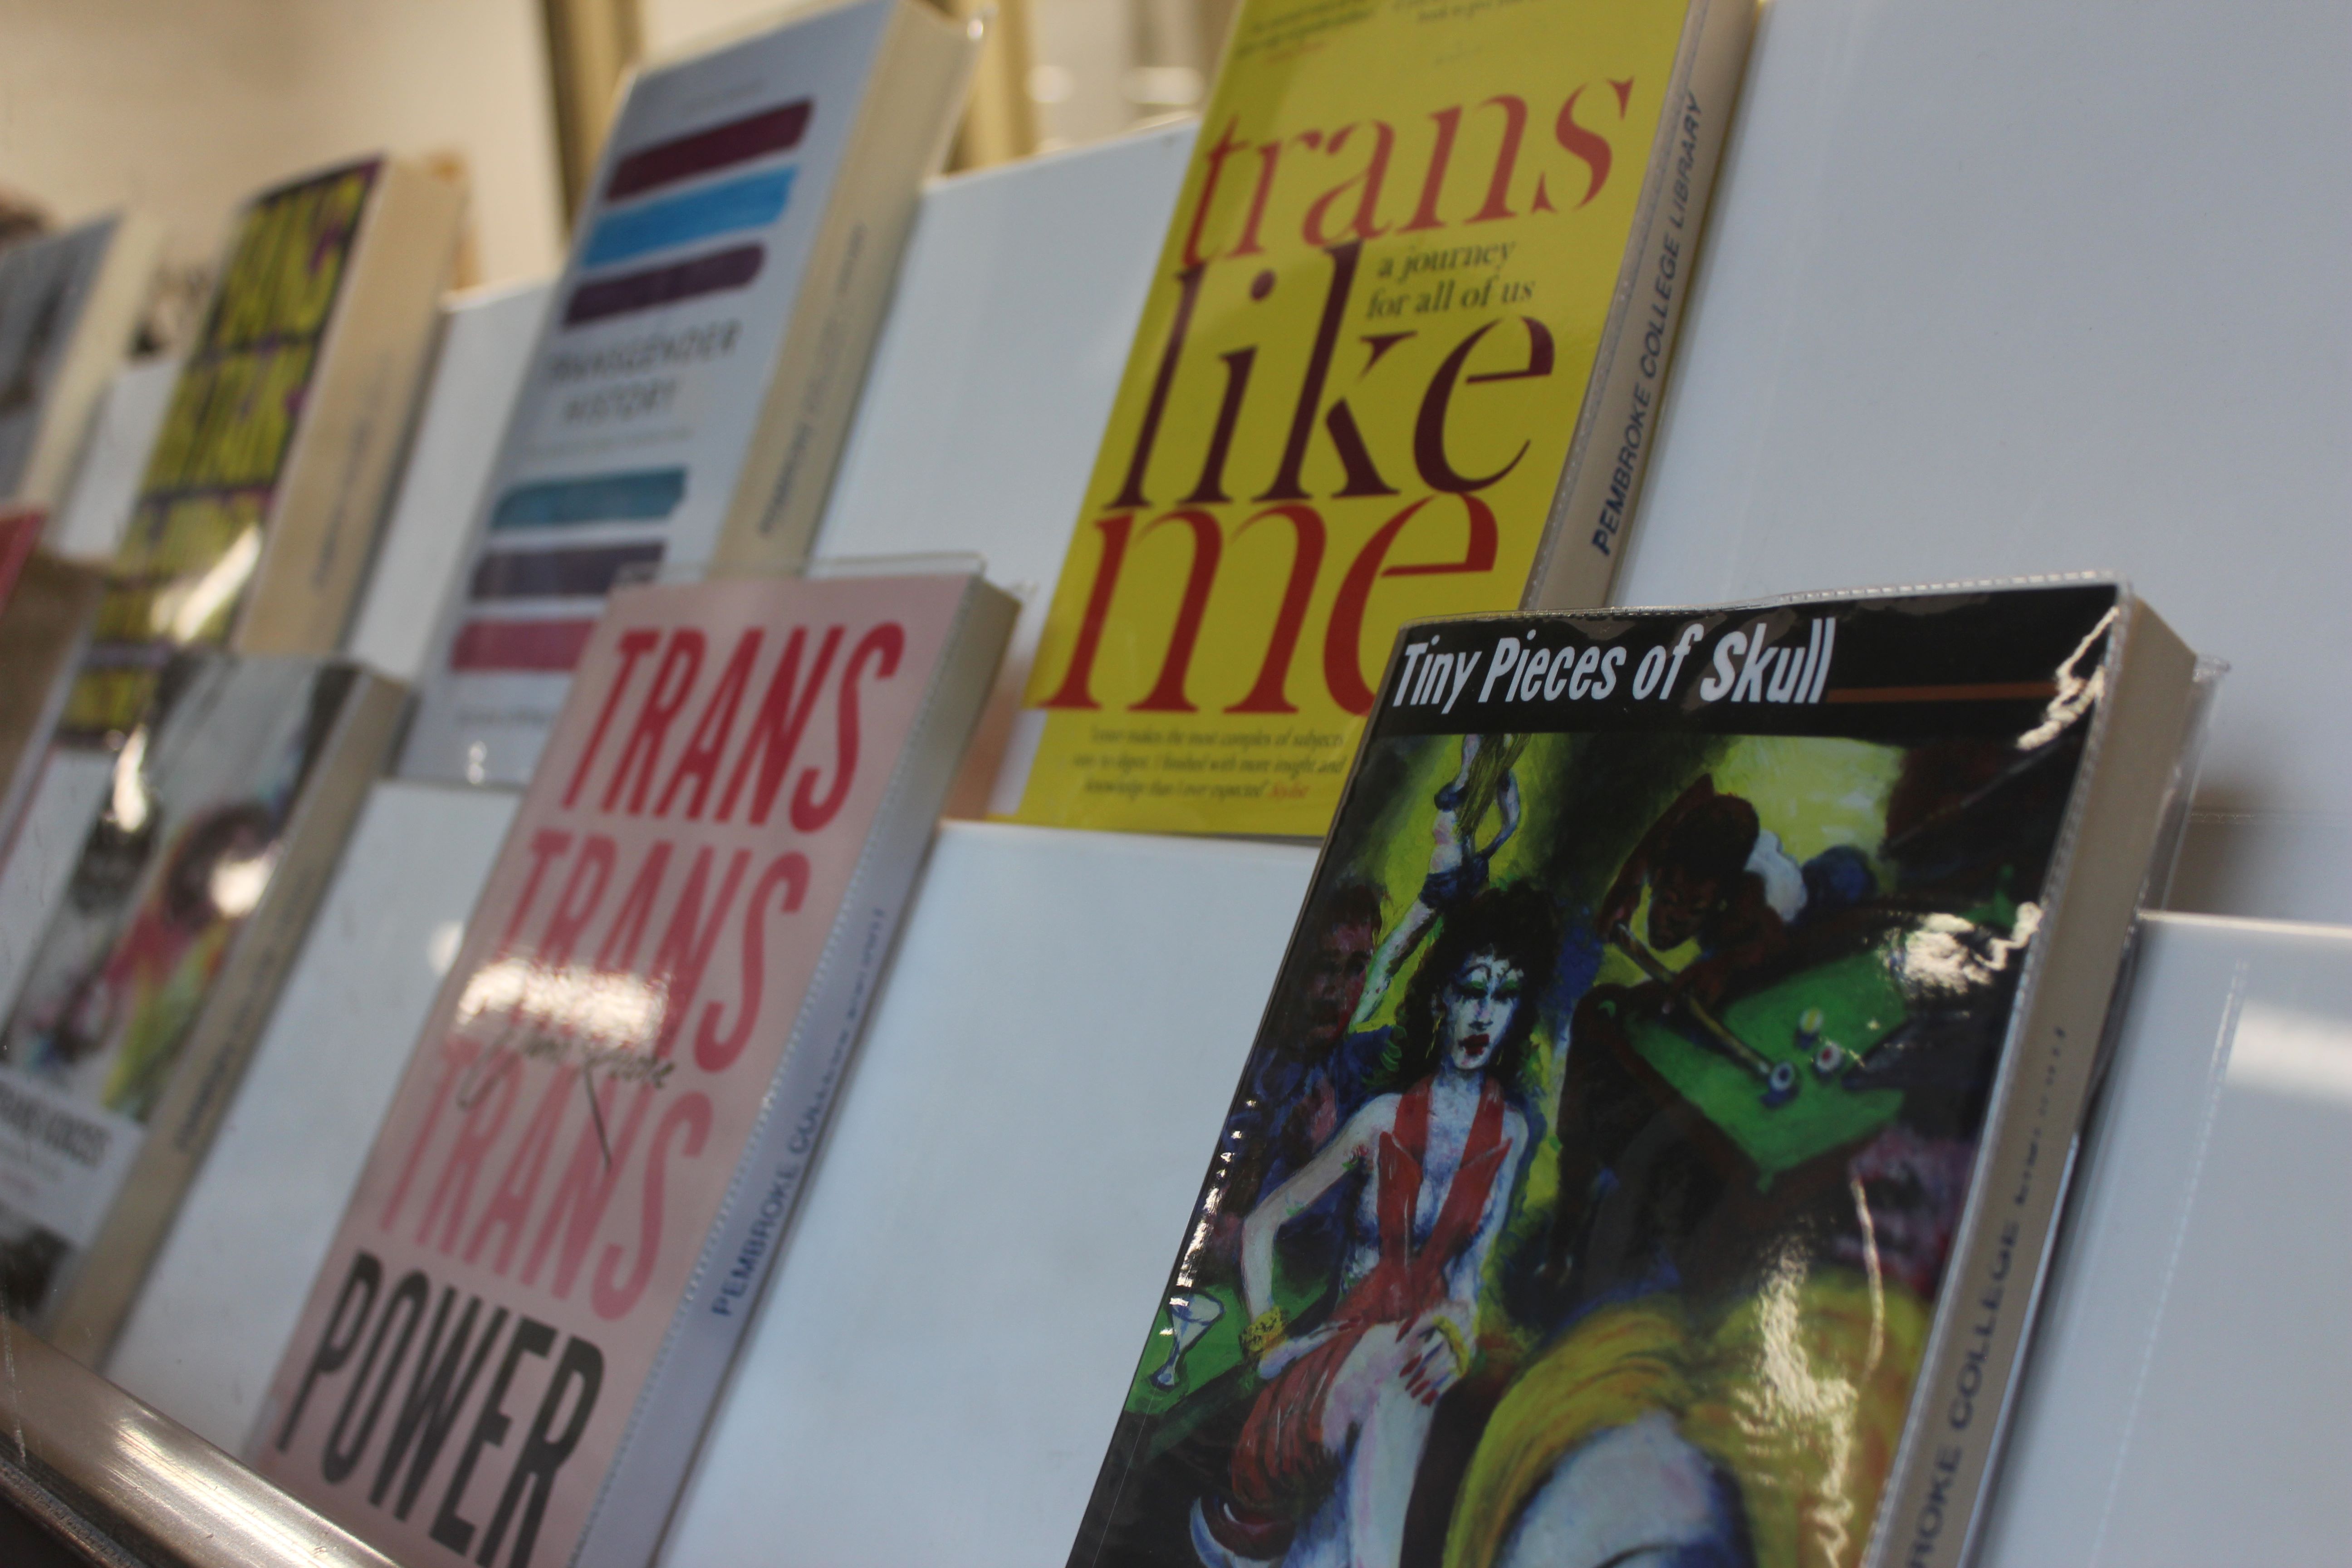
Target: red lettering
[(1506, 157), (1268, 694), (880, 647), (619, 954), (1585, 144), (1226, 148), (1364, 224), (776, 727), (586, 1191), (1441, 155), (486, 1115), (633, 646), (685, 950), (1343, 670), (1268, 154), (1075, 690), (1167, 693), (714, 1052), (582, 893), (699, 760), (672, 683)]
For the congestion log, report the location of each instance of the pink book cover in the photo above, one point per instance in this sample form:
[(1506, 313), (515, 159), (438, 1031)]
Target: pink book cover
[(511, 1346), (20, 535)]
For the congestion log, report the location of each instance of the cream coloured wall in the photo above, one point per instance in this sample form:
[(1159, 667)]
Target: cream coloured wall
[(184, 106)]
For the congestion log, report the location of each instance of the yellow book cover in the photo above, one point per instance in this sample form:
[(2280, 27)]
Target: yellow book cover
[(1357, 385), (194, 536)]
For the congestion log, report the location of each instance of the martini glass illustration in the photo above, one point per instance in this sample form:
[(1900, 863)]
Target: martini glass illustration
[(1189, 1315)]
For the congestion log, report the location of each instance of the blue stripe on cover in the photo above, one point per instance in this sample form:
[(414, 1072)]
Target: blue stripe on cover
[(647, 495), (752, 202)]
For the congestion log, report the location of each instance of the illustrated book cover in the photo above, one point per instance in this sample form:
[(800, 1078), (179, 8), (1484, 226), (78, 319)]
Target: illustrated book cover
[(258, 512), (45, 606), (692, 385), (593, 1156), (1402, 356), (228, 806), (1649, 1149), (69, 307)]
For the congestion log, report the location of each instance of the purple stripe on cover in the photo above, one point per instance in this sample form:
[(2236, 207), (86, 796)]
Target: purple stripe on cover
[(557, 574), (737, 142), (657, 286)]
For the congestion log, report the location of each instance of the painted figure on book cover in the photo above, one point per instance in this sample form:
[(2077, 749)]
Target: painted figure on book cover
[(1609, 1225)]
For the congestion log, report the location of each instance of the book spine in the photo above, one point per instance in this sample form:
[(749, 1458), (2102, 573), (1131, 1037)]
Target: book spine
[(106, 1280), (101, 341), (1960, 1403), (43, 635), (631, 1506), (330, 497), (1616, 429), (915, 88)]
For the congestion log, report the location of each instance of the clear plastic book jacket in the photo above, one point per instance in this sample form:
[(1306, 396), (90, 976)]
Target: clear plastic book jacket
[(1591, 1189)]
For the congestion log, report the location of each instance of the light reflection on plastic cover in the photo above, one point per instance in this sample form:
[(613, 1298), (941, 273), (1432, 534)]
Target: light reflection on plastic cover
[(2077, 694), (183, 609), (131, 804), (586, 1004)]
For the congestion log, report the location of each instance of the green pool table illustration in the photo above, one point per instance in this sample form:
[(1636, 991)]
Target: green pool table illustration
[(1850, 1002)]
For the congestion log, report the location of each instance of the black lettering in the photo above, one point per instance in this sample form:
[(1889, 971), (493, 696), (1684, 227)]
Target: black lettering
[(336, 1341), (336, 1461), (531, 1337), (432, 1404), (541, 1453)]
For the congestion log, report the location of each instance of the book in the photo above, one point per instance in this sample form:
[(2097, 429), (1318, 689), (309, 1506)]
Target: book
[(45, 607), (1654, 1132), (693, 383), (89, 523), (1402, 356), (596, 1148), (486, 340), (227, 807), (69, 307), (258, 512)]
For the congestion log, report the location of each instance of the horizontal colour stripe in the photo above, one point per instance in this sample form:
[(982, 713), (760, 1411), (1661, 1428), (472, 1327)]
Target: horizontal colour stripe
[(683, 157), (522, 647), (643, 495), (557, 574), (752, 202), (593, 301)]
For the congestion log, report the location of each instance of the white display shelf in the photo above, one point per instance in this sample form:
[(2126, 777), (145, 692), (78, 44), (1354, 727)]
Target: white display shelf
[(2188, 1399)]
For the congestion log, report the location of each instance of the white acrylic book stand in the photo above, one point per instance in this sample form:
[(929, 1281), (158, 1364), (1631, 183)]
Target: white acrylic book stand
[(2189, 1400), (486, 340), (1954, 322)]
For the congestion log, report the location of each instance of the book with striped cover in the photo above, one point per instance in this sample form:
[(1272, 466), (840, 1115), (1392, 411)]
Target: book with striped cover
[(694, 378)]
